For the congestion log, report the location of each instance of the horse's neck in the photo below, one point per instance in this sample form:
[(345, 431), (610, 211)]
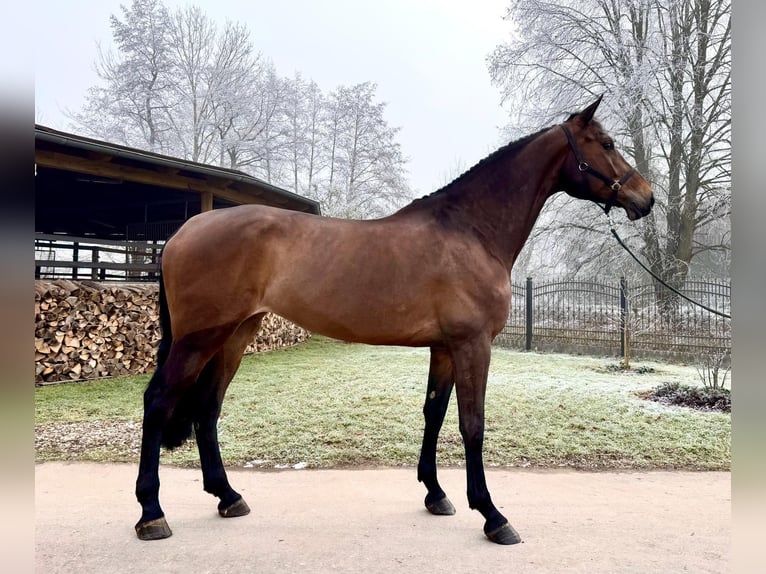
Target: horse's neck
[(502, 200)]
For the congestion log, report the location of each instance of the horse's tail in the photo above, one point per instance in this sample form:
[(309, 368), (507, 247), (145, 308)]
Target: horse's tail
[(166, 334), (179, 427)]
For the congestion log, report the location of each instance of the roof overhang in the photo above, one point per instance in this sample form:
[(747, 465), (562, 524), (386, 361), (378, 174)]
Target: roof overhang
[(80, 179)]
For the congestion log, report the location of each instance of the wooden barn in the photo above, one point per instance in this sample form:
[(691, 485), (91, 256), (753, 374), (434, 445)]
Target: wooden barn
[(102, 210), (102, 214)]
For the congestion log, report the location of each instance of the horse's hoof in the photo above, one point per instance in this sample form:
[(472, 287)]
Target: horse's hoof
[(239, 508), (506, 534), (441, 507), (156, 529)]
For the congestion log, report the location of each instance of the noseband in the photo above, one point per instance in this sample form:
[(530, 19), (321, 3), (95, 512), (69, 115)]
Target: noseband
[(614, 184)]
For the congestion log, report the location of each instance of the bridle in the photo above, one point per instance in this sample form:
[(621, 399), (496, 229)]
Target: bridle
[(614, 184)]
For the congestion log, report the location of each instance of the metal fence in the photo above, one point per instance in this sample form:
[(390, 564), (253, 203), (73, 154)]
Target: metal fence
[(616, 317)]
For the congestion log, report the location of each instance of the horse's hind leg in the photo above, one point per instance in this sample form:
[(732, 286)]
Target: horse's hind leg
[(440, 382), (170, 383), (215, 380)]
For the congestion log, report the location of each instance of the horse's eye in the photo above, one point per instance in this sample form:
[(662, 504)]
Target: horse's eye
[(608, 146)]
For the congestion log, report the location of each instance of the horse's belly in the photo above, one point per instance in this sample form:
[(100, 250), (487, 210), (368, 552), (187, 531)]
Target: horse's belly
[(363, 321)]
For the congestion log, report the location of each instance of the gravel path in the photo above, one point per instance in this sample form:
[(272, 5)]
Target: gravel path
[(373, 521), (68, 441)]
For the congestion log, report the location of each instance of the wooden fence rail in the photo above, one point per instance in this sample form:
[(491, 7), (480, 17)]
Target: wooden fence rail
[(63, 257)]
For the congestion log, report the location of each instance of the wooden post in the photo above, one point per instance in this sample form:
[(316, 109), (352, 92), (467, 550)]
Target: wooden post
[(624, 330), (94, 258), (206, 201), (530, 317), (75, 259)]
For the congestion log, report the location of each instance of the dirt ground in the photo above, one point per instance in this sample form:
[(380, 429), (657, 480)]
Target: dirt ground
[(374, 521)]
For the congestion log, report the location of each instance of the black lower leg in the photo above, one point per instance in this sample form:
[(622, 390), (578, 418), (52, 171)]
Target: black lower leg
[(214, 381), (434, 415), (180, 365), (148, 481), (496, 526), (152, 524), (214, 476), (471, 359)]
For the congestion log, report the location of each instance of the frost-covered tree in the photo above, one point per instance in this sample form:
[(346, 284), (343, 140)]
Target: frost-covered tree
[(176, 83), (367, 168), (665, 66), (131, 105), (180, 84), (338, 149), (214, 70), (250, 111), (302, 107)]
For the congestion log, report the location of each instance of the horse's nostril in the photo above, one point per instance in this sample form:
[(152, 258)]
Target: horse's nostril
[(651, 202)]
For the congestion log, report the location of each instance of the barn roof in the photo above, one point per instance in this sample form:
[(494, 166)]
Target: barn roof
[(91, 188)]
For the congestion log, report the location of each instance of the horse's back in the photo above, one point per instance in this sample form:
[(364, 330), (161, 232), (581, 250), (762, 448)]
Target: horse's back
[(381, 281)]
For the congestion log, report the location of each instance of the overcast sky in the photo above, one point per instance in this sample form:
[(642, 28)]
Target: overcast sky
[(428, 58)]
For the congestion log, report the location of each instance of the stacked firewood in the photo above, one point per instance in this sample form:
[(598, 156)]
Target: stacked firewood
[(276, 333), (87, 330)]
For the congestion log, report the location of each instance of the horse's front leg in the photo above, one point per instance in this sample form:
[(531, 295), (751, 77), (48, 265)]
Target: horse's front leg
[(438, 393), (471, 363)]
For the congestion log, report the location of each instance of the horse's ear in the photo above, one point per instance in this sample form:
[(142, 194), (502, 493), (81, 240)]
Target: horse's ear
[(586, 115)]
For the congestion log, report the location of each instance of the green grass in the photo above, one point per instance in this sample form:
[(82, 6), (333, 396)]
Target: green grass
[(330, 404)]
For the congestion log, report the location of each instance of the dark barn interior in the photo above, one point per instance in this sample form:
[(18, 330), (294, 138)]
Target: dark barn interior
[(90, 188), (94, 198)]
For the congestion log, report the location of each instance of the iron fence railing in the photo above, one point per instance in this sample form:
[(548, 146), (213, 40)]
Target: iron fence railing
[(617, 317)]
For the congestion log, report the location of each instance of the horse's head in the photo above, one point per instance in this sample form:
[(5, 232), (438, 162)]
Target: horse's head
[(595, 170)]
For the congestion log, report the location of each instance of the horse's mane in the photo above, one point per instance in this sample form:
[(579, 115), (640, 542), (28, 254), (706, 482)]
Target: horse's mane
[(502, 152), (509, 149)]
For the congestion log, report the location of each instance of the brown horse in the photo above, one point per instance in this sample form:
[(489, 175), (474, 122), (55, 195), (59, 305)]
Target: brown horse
[(434, 274)]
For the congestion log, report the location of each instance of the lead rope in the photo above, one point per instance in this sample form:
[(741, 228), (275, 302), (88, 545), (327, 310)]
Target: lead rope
[(676, 291)]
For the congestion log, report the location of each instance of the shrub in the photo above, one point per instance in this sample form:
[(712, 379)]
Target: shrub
[(703, 398)]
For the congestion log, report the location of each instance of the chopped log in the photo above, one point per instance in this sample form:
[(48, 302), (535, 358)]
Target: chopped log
[(87, 330)]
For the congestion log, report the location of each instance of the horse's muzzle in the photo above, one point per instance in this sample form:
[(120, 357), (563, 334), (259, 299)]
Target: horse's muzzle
[(638, 209)]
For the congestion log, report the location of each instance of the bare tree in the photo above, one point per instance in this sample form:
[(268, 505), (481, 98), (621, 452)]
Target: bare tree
[(666, 67), (314, 156), (368, 168), (334, 120), (693, 130), (297, 136), (214, 70), (239, 82), (252, 136), (131, 107), (181, 84), (340, 150)]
